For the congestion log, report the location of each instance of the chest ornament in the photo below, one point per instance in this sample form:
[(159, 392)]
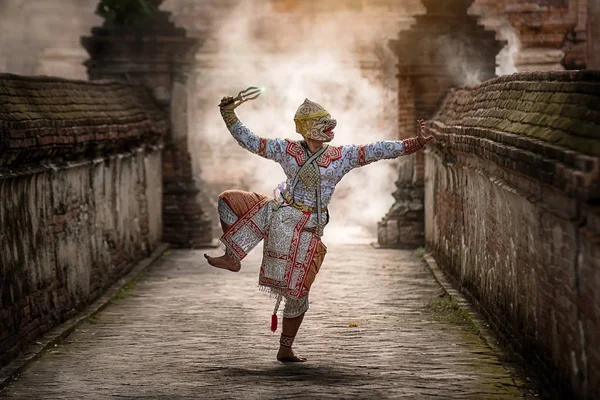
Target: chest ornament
[(295, 150)]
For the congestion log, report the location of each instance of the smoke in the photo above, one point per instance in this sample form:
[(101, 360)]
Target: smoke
[(42, 37), (330, 58), (489, 17), (507, 56), (459, 62)]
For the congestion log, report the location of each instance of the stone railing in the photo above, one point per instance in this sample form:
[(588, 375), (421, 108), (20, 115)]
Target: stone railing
[(81, 196), (512, 188)]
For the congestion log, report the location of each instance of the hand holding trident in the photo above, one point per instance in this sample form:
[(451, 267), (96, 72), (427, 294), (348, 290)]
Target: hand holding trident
[(231, 103)]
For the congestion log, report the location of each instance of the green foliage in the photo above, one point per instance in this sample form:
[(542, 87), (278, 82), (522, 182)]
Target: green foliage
[(420, 252), (124, 292), (126, 12), (448, 309)]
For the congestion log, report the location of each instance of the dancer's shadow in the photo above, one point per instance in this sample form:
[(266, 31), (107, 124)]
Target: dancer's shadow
[(300, 372)]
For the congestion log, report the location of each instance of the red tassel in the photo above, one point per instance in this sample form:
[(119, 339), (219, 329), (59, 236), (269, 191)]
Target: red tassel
[(273, 323)]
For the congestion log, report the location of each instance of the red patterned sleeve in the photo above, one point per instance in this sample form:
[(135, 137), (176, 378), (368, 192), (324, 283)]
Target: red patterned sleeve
[(362, 155)]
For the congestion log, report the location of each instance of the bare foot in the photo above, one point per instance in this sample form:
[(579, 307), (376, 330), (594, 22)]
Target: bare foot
[(224, 262), (286, 354)]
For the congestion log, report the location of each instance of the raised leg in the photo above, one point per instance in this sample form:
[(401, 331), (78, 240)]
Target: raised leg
[(225, 261), (233, 205)]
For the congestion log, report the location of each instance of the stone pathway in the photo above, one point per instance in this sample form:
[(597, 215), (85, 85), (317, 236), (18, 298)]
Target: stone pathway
[(188, 331)]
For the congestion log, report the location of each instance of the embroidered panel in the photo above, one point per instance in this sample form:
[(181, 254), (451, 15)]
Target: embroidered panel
[(262, 147), (288, 253), (310, 176), (362, 156), (248, 230), (295, 150), (331, 154), (289, 249), (411, 145), (226, 214), (295, 307)]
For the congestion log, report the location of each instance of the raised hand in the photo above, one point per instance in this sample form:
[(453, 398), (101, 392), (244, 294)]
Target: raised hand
[(421, 137), (231, 103)]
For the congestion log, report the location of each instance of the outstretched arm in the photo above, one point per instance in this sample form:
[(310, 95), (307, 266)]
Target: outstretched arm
[(272, 149), (360, 155)]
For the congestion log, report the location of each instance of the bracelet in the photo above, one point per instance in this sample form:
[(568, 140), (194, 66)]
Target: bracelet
[(229, 117), (412, 145)]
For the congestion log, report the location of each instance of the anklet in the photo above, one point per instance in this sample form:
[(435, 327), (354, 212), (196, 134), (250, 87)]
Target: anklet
[(286, 341)]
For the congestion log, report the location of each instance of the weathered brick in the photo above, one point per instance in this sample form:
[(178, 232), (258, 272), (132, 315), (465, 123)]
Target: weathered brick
[(57, 212), (73, 117), (531, 171)]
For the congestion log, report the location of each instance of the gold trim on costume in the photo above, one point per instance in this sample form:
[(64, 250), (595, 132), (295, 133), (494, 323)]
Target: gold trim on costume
[(229, 117), (298, 205), (313, 115)]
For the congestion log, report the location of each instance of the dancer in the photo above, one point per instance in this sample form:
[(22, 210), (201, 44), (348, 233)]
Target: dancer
[(292, 224)]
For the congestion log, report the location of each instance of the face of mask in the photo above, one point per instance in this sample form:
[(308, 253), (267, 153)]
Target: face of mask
[(322, 129)]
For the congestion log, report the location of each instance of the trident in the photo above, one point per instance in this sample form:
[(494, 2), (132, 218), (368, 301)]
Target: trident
[(250, 93)]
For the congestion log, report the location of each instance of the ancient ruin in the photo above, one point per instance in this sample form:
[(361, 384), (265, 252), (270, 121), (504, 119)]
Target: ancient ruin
[(112, 147)]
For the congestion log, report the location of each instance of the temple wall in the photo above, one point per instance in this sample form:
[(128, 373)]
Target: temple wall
[(512, 187), (80, 197), (593, 27), (543, 35)]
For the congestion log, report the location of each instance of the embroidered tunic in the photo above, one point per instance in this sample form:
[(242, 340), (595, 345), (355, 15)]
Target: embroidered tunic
[(293, 250), (333, 164)]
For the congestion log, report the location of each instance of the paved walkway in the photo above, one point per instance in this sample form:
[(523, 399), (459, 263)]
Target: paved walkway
[(188, 331)]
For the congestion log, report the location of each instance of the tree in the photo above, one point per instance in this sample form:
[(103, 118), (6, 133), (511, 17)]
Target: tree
[(126, 12)]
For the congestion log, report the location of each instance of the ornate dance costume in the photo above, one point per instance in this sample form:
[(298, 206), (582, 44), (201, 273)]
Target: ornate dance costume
[(292, 224)]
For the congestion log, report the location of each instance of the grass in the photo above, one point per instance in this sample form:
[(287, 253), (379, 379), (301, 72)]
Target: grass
[(420, 252), (446, 308), (124, 292)]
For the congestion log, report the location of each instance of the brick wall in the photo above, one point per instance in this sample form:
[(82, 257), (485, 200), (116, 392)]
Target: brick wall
[(593, 26), (552, 33), (512, 188), (446, 47), (80, 197), (159, 55)]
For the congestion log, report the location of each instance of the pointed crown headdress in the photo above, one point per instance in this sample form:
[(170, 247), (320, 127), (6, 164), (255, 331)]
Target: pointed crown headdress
[(307, 113)]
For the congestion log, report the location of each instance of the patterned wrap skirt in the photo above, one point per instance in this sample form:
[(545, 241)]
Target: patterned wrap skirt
[(292, 252)]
